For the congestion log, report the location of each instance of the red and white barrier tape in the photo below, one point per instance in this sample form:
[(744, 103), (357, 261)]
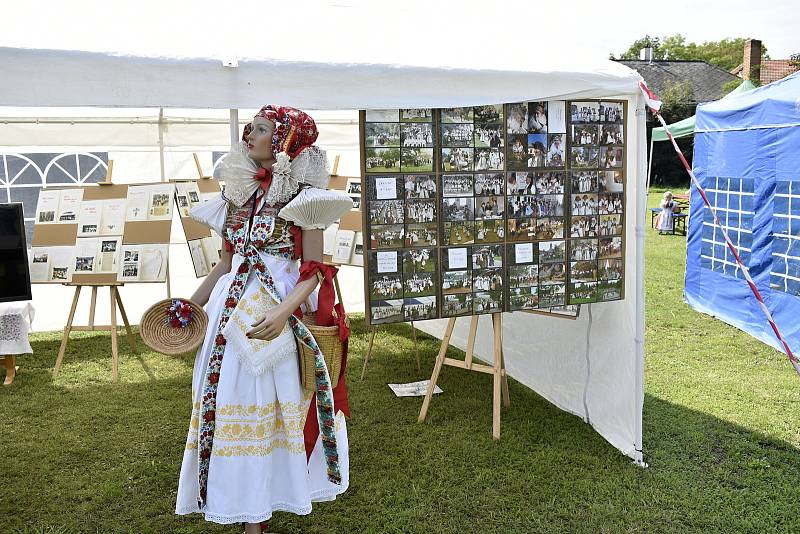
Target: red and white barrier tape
[(654, 104)]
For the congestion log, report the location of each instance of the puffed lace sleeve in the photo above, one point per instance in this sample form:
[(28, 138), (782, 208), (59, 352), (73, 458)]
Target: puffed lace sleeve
[(212, 213), (315, 208)]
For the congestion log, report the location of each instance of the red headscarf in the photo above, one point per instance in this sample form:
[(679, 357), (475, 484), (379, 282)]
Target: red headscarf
[(295, 130)]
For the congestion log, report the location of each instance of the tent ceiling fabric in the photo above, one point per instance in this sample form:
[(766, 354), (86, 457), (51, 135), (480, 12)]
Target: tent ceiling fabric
[(74, 78)]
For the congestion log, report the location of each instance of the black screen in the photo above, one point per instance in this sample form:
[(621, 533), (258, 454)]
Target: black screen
[(15, 280)]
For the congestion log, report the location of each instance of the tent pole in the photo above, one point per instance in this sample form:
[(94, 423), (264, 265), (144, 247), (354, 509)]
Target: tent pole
[(641, 207), (650, 165), (234, 126), (161, 142)]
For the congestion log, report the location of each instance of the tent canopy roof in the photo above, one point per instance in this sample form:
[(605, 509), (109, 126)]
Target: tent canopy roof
[(35, 78)]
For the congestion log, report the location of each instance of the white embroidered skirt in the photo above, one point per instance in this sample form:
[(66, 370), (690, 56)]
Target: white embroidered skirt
[(258, 462)]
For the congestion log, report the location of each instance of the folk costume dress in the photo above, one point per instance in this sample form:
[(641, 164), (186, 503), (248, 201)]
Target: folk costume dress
[(257, 441)]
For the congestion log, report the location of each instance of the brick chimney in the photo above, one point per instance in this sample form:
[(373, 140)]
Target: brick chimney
[(751, 66)]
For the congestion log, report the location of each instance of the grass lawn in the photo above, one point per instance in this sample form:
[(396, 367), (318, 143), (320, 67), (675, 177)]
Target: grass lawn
[(721, 435)]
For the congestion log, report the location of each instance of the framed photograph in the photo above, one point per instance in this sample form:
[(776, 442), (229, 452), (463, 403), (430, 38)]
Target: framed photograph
[(609, 290), (419, 308), (611, 157), (421, 235), (416, 134), (609, 269), (486, 256), (550, 251), (583, 271), (421, 211), (488, 135), (517, 118), (520, 183), (457, 159), (487, 302), (582, 112), (552, 273), (386, 212), (420, 284), (488, 114), (523, 298), (383, 115), (582, 292), (583, 249), (585, 134), (549, 205), (583, 226), (523, 275), (456, 305), (521, 206), (584, 181), (555, 150), (610, 112), (537, 150), (458, 209), (550, 183), (452, 115), (421, 260), (492, 207), (490, 231), (386, 287), (386, 311), (386, 236), (458, 233), (382, 159), (420, 186), (457, 185), (584, 156), (549, 228), (610, 247), (610, 225), (416, 115), (537, 117), (611, 134), (382, 134), (552, 295), (609, 203), (518, 151), (417, 159), (458, 135), (456, 282), (584, 204), (489, 159), (522, 229), (487, 280)]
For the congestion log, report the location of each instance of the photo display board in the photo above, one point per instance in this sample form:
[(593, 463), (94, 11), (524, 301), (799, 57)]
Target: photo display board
[(508, 207), (344, 240), (205, 246), (102, 234)]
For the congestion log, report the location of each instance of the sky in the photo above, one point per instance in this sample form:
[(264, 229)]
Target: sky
[(426, 32)]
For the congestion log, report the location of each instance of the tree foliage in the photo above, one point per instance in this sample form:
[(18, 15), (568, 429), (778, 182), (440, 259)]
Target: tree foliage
[(726, 54)]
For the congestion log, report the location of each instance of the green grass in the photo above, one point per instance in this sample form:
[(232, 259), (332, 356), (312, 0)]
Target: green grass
[(721, 435)]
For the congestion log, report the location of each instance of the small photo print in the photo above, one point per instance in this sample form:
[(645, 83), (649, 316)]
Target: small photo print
[(489, 231), (416, 134), (523, 298), (537, 150), (382, 134), (583, 271), (549, 206), (583, 249), (416, 115), (611, 157), (130, 270), (550, 183), (386, 287), (612, 182), (487, 302), (386, 236), (489, 184), (59, 273), (417, 160), (458, 209), (386, 212), (583, 292), (419, 309), (521, 183), (611, 112), (386, 311), (551, 296), (584, 156), (457, 185), (384, 187), (609, 269), (584, 204), (549, 228), (484, 257), (609, 290), (523, 275), (487, 280), (610, 203), (420, 186), (46, 216), (489, 135), (521, 229), (130, 255), (518, 153), (420, 285), (383, 115), (40, 257), (489, 159), (353, 187), (383, 159), (518, 118), (454, 282), (421, 235), (585, 134), (555, 150), (584, 181), (521, 207), (492, 207), (89, 229), (455, 305), (610, 225), (458, 233), (451, 115), (550, 251), (160, 204), (421, 260), (421, 211), (611, 134), (584, 112), (457, 135), (356, 202), (108, 246), (457, 159), (610, 247), (537, 117), (583, 226), (488, 114), (84, 263), (552, 273)]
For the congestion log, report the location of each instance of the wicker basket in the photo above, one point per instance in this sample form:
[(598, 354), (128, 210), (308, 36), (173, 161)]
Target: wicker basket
[(161, 337), (332, 348)]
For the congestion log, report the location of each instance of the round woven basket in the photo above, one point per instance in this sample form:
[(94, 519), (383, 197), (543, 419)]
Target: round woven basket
[(327, 338), (161, 337)]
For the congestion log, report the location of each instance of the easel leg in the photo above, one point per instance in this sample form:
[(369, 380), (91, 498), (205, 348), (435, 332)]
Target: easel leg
[(473, 329), (506, 398), (114, 352), (131, 339), (373, 329), (11, 369), (498, 363), (92, 306), (423, 413), (67, 330), (416, 348)]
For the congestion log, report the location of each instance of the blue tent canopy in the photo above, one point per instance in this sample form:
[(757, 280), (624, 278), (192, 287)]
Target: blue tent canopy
[(747, 157)]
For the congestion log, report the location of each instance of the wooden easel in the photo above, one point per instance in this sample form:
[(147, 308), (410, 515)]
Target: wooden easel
[(497, 369), (115, 300), (374, 330)]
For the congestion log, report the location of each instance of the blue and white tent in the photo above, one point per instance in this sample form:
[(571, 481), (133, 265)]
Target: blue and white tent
[(747, 157)]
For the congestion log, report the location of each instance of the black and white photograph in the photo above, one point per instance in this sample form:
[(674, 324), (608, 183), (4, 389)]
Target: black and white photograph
[(537, 117), (489, 159), (419, 308), (386, 311), (416, 134), (421, 260), (585, 134), (382, 159), (584, 181), (382, 134), (584, 156), (611, 157), (521, 183), (609, 269), (458, 233), (130, 270), (458, 209), (584, 112), (609, 290), (583, 226), (60, 273), (108, 246), (382, 115), (584, 204), (518, 151), (84, 263), (46, 216), (552, 295), (488, 114), (484, 257), (88, 229), (353, 186), (416, 115), (421, 235), (457, 135), (523, 275), (490, 231), (610, 247), (420, 186), (610, 112), (582, 292), (611, 134), (612, 182), (457, 185), (455, 305), (421, 211), (491, 207), (550, 251), (487, 302), (537, 150), (610, 225), (517, 118), (552, 273), (488, 135), (523, 298), (451, 115), (609, 203), (457, 159), (583, 271), (420, 284), (454, 282), (523, 229), (386, 236), (548, 228), (416, 159), (386, 287), (583, 249), (549, 183), (489, 184), (386, 212), (555, 150)]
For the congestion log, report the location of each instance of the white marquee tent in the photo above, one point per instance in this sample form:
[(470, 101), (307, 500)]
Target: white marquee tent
[(591, 367)]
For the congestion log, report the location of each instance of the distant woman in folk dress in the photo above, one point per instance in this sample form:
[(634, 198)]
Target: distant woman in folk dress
[(258, 442)]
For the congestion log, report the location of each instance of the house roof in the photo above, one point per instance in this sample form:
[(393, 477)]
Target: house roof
[(775, 69), (706, 79)]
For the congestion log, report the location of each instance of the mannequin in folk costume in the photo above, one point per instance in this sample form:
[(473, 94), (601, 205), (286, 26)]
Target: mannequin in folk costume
[(258, 442)]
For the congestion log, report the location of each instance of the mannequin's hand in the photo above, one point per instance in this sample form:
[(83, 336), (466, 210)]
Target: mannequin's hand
[(270, 326)]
